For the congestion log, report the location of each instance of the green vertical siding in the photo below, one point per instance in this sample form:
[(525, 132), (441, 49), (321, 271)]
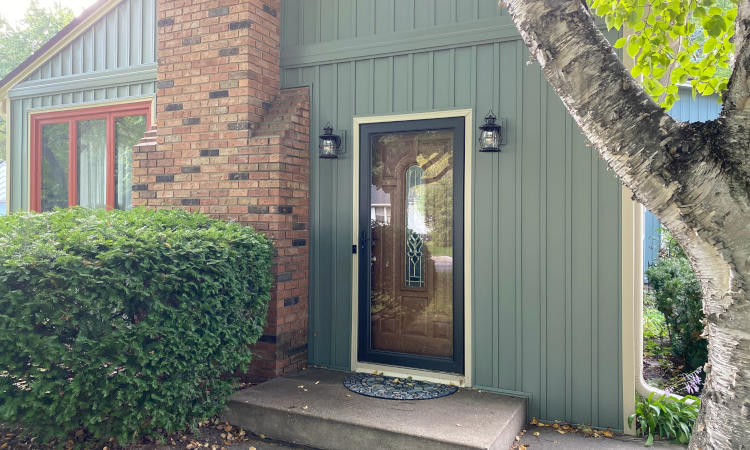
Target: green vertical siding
[(121, 45), (546, 225)]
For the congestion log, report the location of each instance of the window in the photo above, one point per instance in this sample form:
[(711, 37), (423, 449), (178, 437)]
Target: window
[(84, 156)]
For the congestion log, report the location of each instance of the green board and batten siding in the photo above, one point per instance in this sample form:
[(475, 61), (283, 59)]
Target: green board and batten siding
[(546, 212), (114, 59)]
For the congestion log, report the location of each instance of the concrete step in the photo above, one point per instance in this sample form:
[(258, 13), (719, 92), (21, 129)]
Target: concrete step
[(327, 415)]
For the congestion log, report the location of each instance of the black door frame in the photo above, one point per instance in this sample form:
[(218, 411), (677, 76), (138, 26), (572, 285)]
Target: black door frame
[(365, 352)]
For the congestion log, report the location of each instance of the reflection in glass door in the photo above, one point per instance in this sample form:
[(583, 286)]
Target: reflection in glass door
[(411, 268)]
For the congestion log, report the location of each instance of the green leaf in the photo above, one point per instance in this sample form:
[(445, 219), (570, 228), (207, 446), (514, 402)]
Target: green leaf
[(714, 25), (709, 45), (620, 43), (633, 48)]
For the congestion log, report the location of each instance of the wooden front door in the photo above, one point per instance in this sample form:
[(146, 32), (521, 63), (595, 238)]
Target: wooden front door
[(411, 244)]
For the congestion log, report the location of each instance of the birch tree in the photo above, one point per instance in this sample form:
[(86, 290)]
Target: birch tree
[(695, 177)]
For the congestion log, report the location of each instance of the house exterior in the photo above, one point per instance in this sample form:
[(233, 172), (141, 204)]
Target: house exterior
[(411, 252)]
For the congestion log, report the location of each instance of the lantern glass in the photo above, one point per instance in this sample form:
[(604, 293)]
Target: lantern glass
[(489, 139), (327, 148)]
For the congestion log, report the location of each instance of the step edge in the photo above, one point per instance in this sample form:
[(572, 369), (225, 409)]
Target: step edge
[(518, 411)]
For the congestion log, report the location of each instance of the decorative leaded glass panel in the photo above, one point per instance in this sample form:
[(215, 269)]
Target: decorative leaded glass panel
[(414, 219)]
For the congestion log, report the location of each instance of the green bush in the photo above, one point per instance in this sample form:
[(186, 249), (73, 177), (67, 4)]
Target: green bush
[(678, 296), (124, 324), (665, 417)]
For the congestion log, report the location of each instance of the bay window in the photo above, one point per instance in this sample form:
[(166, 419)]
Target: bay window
[(83, 156)]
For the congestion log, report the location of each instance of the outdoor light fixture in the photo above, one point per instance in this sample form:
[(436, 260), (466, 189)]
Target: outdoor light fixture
[(489, 134), (330, 143)]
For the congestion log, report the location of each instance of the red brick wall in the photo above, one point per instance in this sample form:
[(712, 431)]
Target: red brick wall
[(230, 144)]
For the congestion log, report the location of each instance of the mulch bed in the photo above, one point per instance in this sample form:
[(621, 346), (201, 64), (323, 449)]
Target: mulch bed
[(214, 435)]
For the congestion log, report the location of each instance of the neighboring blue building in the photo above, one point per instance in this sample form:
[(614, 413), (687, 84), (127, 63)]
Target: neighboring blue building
[(686, 109), (3, 177)]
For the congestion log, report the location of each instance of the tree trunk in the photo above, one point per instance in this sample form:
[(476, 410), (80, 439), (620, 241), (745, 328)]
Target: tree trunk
[(694, 177)]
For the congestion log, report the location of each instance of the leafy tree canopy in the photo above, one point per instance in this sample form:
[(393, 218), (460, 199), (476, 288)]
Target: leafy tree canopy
[(674, 42), (19, 41)]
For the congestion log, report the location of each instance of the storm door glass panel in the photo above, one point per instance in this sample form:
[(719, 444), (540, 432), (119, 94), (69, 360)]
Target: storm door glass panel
[(128, 131), (55, 158), (92, 163), (411, 290)]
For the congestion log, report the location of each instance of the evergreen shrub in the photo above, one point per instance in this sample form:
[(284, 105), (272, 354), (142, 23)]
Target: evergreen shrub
[(122, 324), (678, 296)]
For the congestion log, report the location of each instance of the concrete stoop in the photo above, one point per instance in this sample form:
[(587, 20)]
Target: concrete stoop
[(313, 408)]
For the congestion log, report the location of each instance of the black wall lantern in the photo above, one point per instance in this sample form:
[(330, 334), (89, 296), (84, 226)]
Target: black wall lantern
[(490, 134), (330, 143)]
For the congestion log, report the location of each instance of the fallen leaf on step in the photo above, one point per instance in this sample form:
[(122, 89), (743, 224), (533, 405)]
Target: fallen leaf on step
[(523, 447), (536, 433), (518, 438), (561, 431), (317, 382), (607, 433), (534, 421), (252, 448), (348, 395), (262, 436), (304, 407)]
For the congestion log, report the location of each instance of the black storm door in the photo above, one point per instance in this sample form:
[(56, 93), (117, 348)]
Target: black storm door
[(411, 216)]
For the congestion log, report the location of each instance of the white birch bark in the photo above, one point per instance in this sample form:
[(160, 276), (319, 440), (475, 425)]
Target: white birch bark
[(694, 177)]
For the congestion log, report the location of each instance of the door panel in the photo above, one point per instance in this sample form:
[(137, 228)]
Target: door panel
[(411, 216)]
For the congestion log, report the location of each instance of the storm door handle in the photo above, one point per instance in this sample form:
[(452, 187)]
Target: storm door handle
[(363, 239)]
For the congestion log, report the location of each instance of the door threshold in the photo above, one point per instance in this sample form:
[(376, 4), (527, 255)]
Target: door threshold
[(455, 379)]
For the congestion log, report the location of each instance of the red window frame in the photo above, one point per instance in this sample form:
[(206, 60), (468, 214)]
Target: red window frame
[(71, 116)]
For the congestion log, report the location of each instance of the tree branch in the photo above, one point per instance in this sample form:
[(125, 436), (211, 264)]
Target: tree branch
[(670, 166), (736, 112)]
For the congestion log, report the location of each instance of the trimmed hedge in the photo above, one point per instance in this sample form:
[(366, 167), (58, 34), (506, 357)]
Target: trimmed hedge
[(123, 324)]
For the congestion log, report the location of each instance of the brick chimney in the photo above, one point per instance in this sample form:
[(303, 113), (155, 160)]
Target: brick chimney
[(230, 144)]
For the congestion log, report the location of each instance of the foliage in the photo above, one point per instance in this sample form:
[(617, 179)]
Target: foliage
[(670, 247), (123, 323), (674, 42), (18, 42), (666, 417), (654, 325), (678, 296)]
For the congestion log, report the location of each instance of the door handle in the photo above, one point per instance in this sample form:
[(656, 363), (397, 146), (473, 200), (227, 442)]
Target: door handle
[(363, 238)]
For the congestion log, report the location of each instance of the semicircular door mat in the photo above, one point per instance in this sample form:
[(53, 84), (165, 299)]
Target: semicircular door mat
[(391, 388)]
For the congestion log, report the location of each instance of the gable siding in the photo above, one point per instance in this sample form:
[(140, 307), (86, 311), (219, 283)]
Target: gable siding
[(125, 37), (112, 60), (546, 212)]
